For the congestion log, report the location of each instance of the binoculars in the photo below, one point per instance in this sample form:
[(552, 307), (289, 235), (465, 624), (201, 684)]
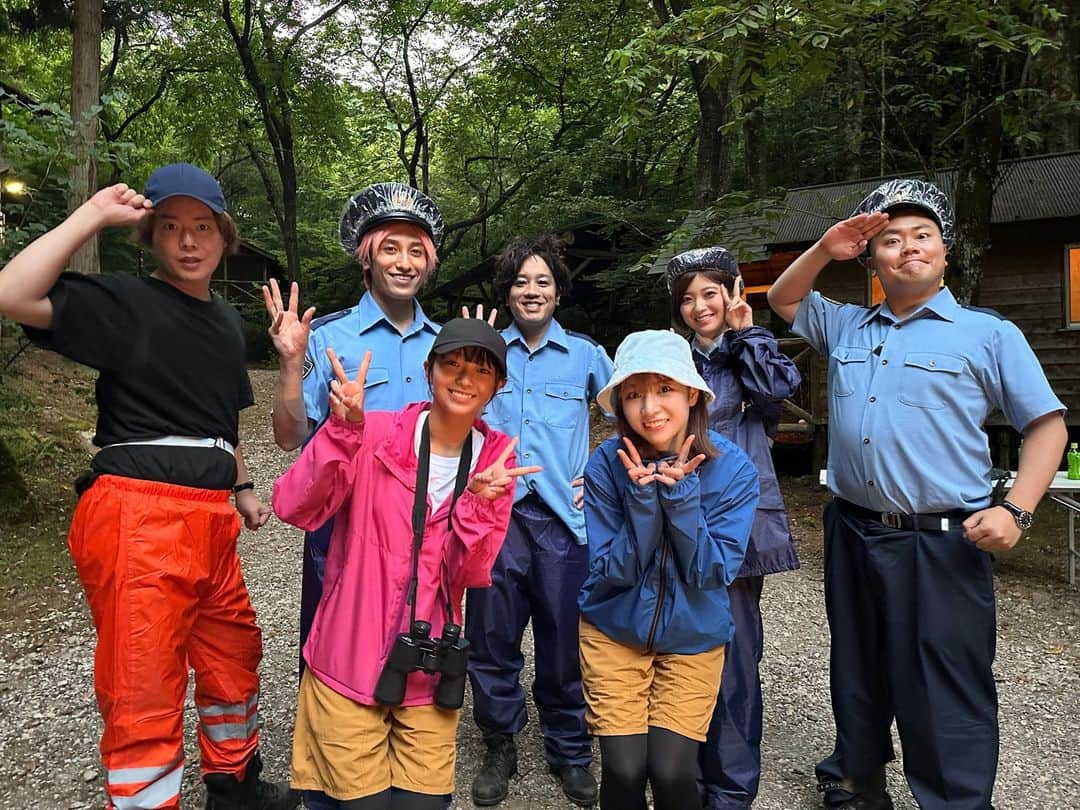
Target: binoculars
[(414, 651)]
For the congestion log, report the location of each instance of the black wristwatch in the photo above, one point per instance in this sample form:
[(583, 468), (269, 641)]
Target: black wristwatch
[(1023, 518)]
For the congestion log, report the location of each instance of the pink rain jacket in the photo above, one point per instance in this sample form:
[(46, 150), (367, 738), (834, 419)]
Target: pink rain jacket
[(365, 475)]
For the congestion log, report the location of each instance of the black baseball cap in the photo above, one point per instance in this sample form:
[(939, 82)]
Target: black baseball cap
[(185, 180), (461, 333)]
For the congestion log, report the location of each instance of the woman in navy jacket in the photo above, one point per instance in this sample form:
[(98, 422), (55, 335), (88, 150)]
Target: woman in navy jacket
[(751, 377), (668, 509)]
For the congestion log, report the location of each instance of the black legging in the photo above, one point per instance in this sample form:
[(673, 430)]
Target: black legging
[(395, 799), (666, 759)]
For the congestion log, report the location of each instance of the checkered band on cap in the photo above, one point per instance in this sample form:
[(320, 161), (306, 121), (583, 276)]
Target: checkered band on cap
[(715, 259), (388, 202), (918, 193)]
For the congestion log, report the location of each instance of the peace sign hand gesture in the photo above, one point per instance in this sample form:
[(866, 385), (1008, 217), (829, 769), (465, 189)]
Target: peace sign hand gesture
[(496, 480), (480, 314), (639, 472), (347, 396), (737, 313), (288, 331), (671, 473), (849, 238)]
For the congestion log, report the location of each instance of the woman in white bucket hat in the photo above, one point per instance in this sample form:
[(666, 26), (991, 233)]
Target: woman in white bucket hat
[(668, 509)]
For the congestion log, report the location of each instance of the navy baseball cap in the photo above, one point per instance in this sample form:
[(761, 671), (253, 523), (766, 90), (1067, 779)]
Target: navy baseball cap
[(463, 332), (185, 180)]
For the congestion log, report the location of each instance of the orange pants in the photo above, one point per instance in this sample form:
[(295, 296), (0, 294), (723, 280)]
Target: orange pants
[(159, 566)]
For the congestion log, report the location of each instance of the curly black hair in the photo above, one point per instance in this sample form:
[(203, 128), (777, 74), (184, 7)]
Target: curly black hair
[(508, 263)]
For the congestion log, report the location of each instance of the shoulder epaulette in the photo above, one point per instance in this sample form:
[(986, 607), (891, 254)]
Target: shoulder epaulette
[(333, 316), (984, 311), (586, 338)]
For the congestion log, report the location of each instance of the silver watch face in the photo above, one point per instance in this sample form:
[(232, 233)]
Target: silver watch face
[(1024, 519)]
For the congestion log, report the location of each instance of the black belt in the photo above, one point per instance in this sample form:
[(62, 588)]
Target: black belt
[(939, 522)]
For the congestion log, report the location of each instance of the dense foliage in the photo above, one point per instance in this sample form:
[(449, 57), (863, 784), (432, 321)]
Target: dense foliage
[(605, 118)]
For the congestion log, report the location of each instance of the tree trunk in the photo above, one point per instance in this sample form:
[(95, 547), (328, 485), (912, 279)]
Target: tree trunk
[(712, 175), (753, 105), (975, 176), (85, 95)]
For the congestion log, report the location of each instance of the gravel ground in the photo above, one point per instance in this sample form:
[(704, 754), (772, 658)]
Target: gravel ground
[(49, 726)]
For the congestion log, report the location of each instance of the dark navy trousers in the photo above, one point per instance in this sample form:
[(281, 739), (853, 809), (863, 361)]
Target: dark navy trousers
[(912, 619), (730, 757), (537, 575)]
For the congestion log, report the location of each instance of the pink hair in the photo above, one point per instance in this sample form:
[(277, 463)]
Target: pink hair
[(373, 239)]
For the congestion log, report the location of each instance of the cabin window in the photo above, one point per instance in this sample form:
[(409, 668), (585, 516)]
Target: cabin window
[(874, 291), (1072, 285)]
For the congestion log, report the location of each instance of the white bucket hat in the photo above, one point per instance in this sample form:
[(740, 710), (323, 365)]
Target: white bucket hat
[(653, 351)]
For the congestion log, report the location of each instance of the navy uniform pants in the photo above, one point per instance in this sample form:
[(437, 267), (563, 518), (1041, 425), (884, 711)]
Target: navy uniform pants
[(730, 757), (912, 619), (537, 575)]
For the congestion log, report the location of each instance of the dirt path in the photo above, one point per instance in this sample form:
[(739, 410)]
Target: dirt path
[(49, 724)]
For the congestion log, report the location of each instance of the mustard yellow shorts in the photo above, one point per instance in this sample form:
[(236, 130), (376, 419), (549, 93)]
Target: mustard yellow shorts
[(349, 750), (627, 689)]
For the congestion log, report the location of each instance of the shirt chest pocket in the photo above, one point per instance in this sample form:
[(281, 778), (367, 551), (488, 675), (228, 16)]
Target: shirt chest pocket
[(929, 379), (500, 411), (564, 404), (849, 366)]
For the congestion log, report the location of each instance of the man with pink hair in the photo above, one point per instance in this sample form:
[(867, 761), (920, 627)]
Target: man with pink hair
[(393, 230)]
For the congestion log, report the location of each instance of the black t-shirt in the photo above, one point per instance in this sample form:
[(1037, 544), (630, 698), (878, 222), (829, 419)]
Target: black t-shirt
[(170, 365)]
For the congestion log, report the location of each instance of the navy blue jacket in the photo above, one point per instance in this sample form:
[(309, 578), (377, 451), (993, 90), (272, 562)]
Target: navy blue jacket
[(660, 557), (751, 377)]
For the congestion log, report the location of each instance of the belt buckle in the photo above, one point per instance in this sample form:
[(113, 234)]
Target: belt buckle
[(891, 519)]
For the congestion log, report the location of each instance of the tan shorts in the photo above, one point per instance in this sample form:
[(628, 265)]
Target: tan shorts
[(627, 689), (349, 750)]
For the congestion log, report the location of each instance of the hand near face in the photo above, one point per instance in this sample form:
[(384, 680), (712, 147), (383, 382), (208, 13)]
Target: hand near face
[(639, 472), (347, 396), (737, 313), (288, 332), (849, 238), (672, 472), (497, 480), (120, 205), (480, 314)]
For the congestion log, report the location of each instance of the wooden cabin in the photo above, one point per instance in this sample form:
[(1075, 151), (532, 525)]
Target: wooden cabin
[(1032, 273)]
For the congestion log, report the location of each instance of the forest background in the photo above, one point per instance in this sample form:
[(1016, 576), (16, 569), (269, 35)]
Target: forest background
[(620, 116)]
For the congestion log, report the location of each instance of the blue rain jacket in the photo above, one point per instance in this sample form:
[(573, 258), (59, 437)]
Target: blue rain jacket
[(660, 557), (751, 377)]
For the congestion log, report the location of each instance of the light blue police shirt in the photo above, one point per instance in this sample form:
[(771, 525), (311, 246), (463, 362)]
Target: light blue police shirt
[(396, 375), (907, 399), (545, 402)]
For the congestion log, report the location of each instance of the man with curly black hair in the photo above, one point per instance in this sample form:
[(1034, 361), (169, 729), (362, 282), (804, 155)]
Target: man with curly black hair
[(552, 375)]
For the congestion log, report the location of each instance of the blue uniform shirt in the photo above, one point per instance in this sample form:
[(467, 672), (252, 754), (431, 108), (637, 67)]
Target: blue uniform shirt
[(907, 399), (545, 402), (396, 376)]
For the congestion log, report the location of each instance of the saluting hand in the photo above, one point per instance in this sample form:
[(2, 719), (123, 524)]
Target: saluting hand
[(119, 205), (288, 331), (671, 473), (347, 396), (497, 480), (849, 238), (737, 313), (480, 314)]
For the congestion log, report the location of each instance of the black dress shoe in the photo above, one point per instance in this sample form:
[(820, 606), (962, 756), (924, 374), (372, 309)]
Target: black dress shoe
[(577, 783)]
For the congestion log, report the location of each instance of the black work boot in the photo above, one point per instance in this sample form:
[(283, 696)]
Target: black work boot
[(492, 782), (578, 784), (866, 793), (225, 792)]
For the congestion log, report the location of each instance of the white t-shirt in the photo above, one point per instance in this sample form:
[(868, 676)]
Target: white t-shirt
[(443, 469)]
